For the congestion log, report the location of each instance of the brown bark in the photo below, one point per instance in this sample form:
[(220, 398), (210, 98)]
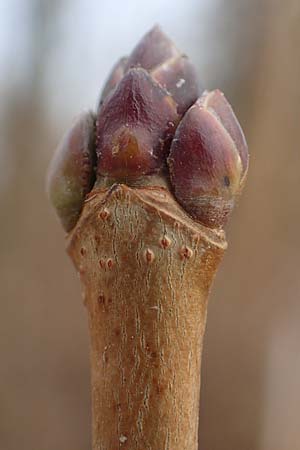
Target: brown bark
[(146, 269)]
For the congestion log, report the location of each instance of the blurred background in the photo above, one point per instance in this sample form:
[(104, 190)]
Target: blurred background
[(54, 57)]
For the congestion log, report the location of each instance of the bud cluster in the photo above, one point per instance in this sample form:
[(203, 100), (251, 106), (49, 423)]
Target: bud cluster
[(153, 119)]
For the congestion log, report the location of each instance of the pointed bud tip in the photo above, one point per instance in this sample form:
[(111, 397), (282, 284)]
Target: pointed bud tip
[(216, 102), (153, 49), (134, 127)]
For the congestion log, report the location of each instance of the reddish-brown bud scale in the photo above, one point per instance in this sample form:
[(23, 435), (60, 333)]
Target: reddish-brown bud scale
[(153, 49), (157, 54), (71, 172), (205, 162), (134, 127), (216, 102), (178, 76)]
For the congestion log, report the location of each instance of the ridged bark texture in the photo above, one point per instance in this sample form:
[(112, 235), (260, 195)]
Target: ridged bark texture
[(146, 269)]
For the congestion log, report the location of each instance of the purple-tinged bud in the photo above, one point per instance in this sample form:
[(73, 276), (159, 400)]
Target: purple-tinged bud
[(153, 49), (206, 165), (71, 171), (134, 127), (114, 78), (179, 77), (216, 102)]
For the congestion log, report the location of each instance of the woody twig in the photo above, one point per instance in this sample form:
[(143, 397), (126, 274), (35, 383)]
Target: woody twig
[(143, 188)]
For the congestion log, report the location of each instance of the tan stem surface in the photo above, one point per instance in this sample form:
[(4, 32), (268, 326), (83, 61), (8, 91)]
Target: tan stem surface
[(146, 270)]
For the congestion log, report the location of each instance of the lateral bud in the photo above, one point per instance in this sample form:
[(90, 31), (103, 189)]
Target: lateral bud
[(208, 160), (71, 172)]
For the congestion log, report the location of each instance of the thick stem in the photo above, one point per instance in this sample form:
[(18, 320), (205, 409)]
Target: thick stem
[(146, 270)]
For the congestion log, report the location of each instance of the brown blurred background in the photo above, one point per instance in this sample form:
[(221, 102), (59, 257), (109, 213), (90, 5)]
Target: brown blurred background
[(54, 57)]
